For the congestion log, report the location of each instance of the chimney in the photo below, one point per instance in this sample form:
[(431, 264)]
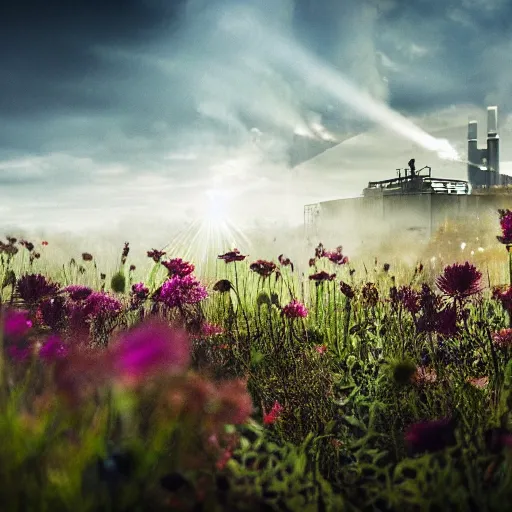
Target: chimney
[(493, 145)]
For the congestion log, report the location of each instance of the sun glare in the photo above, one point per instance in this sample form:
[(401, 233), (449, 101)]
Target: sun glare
[(211, 233)]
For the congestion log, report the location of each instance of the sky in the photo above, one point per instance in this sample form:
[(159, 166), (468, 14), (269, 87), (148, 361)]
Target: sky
[(145, 114)]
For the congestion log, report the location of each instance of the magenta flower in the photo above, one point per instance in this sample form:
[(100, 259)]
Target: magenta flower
[(140, 290), (77, 291), (53, 349), (33, 287), (149, 349), (16, 324), (273, 415), (295, 310), (178, 267), (208, 329), (459, 281), (19, 353), (506, 226), (336, 256), (179, 291), (102, 304)]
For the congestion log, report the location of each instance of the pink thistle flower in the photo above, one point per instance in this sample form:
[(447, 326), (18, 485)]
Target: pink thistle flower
[(321, 349), (16, 324), (179, 291), (295, 309), (503, 338), (232, 256), (459, 281), (506, 226), (34, 287), (178, 267), (102, 304), (53, 348), (273, 415), (77, 291), (149, 349)]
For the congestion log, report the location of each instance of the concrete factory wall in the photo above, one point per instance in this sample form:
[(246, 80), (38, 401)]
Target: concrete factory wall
[(368, 217)]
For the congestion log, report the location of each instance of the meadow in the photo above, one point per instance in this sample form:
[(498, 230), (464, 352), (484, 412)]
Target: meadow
[(318, 385)]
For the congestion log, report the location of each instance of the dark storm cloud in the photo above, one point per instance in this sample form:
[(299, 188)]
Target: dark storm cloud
[(111, 91)]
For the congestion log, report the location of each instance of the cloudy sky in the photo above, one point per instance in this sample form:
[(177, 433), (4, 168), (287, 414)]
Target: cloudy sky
[(138, 112)]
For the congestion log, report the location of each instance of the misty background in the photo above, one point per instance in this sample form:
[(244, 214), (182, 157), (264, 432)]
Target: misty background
[(129, 118)]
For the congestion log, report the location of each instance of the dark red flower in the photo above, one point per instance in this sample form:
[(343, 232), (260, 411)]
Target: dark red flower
[(222, 286), (336, 256), (156, 255), (232, 256), (430, 436), (506, 226), (285, 262), (273, 415), (347, 290), (504, 295), (178, 267), (86, 256), (319, 277), (319, 251), (263, 268), (370, 294), (459, 281), (312, 262)]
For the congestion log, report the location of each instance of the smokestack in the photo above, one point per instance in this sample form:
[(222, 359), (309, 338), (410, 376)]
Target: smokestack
[(493, 145), (473, 151)]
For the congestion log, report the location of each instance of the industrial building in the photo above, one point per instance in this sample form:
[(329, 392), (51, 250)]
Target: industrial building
[(417, 200)]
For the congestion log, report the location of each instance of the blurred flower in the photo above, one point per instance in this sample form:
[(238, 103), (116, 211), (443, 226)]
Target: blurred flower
[(19, 352), (132, 268), (232, 256), (446, 322), (479, 382), (179, 291), (77, 291), (504, 295), (148, 349), (156, 255), (234, 402), (321, 349), (347, 290), (118, 282), (178, 267), (370, 294), (28, 245), (86, 256), (285, 262), (126, 251), (409, 298), (53, 348), (503, 338), (294, 309), (312, 262), (430, 436), (208, 329), (319, 251), (386, 267), (403, 372), (222, 286), (336, 256), (424, 375), (459, 281), (140, 291), (16, 323), (33, 287), (53, 312), (273, 415), (102, 304), (319, 277), (506, 226), (263, 268), (44, 242)]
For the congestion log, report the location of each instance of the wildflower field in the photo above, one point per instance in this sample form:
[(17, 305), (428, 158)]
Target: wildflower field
[(263, 387)]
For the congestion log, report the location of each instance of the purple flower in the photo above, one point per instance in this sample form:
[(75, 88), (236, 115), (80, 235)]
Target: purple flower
[(409, 298), (53, 349), (140, 291), (102, 304), (178, 267), (430, 436), (34, 287), (506, 226), (19, 353), (16, 324), (150, 348), (295, 310), (179, 291), (459, 281), (78, 292)]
